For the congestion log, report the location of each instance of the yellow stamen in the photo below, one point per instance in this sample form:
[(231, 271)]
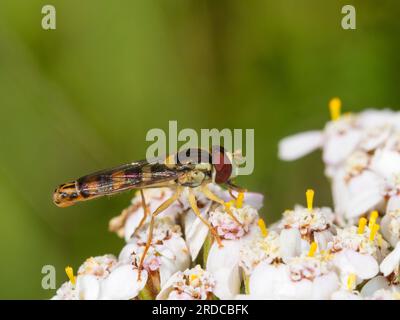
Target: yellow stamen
[(335, 106), (380, 239), (263, 228), (361, 225), (313, 249), (351, 281), (70, 273), (193, 277), (239, 200), (310, 198), (374, 231), (372, 218), (228, 205)]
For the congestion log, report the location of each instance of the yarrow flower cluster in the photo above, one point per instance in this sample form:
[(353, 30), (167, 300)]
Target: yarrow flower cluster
[(226, 251)]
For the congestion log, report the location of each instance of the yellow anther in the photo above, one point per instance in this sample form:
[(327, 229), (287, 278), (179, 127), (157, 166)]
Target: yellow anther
[(372, 218), (351, 281), (335, 105), (239, 200), (228, 205), (374, 231), (310, 198), (70, 273), (193, 277), (361, 225), (380, 239), (313, 249), (263, 228)]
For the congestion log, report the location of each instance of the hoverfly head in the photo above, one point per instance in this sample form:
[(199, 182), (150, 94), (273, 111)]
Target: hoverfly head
[(222, 163)]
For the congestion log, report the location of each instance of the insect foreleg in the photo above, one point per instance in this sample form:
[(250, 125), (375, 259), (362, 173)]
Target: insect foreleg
[(207, 192), (195, 208), (145, 212), (160, 209)]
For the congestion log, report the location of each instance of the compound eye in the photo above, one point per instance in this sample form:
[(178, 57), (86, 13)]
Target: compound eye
[(222, 165)]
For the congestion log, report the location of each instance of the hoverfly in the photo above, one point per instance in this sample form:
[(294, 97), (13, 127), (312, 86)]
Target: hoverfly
[(189, 168)]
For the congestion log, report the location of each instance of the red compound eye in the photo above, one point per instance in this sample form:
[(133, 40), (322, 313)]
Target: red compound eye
[(222, 165)]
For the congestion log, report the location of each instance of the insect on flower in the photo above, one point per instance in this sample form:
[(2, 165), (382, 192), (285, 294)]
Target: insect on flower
[(189, 168)]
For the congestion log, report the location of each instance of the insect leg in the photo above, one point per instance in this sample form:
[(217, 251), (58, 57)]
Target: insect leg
[(145, 210), (160, 209), (195, 208), (207, 192)]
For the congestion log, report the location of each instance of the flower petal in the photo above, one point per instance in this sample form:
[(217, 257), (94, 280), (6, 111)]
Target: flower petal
[(340, 145), (365, 193), (373, 285), (88, 287), (122, 284), (349, 261), (290, 243), (298, 145), (223, 263), (391, 262), (195, 231), (386, 163)]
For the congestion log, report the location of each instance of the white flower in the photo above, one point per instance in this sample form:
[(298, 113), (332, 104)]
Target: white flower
[(350, 238), (390, 224), (390, 265), (386, 294), (167, 254), (358, 251), (314, 225), (123, 283), (223, 262), (102, 278), (130, 219), (260, 249), (196, 231), (191, 284), (302, 278)]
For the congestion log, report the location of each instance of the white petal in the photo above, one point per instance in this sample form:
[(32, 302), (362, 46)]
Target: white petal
[(126, 252), (195, 232), (88, 287), (226, 256), (266, 280), (345, 295), (373, 285), (393, 204), (339, 146), (132, 223), (386, 230), (391, 262), (228, 282), (324, 286), (298, 145), (223, 263), (167, 288), (300, 290), (254, 199), (179, 261), (349, 261), (122, 284), (386, 163), (375, 118), (340, 192), (322, 239), (365, 193), (290, 243)]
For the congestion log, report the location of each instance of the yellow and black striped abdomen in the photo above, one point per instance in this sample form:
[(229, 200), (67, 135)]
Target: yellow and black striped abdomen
[(107, 182)]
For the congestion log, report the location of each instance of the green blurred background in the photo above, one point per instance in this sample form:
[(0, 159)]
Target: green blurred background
[(83, 96)]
